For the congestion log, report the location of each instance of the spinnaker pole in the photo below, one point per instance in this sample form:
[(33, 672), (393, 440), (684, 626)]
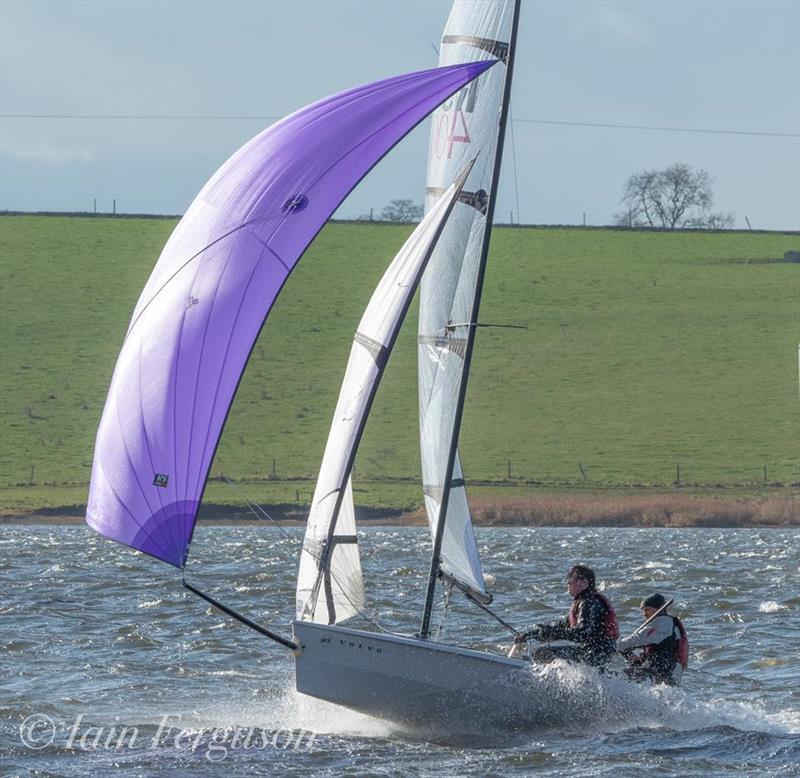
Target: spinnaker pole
[(437, 542), (287, 642)]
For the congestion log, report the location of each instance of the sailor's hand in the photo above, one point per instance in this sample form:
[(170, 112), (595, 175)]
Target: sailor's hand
[(631, 657), (534, 633), (543, 633)]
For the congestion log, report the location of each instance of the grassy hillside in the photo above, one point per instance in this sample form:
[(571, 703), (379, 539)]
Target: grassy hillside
[(643, 352)]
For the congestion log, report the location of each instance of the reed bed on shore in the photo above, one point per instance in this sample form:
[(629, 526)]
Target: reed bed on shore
[(673, 510)]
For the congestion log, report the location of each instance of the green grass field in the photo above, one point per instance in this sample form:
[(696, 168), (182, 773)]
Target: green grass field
[(643, 352)]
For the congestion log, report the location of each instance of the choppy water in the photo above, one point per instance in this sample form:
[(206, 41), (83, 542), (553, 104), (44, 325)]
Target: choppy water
[(96, 638)]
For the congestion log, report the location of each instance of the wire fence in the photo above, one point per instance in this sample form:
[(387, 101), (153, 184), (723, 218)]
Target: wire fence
[(509, 475)]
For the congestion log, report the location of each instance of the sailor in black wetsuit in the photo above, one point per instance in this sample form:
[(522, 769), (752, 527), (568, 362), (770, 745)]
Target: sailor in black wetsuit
[(591, 624)]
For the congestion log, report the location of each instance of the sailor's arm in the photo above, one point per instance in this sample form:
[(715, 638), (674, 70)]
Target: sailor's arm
[(588, 619), (555, 631), (659, 629), (544, 631), (588, 622)]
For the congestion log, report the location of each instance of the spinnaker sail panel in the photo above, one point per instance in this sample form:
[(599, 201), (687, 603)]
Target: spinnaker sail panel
[(467, 123), (323, 564), (213, 286)]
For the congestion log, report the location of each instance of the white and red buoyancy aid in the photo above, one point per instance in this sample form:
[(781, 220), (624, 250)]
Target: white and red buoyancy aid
[(680, 644)]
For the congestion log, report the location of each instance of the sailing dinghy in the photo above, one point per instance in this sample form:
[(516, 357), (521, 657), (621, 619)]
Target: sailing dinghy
[(204, 305), (411, 679)]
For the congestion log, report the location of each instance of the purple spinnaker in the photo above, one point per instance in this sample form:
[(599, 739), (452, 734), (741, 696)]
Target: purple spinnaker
[(215, 282)]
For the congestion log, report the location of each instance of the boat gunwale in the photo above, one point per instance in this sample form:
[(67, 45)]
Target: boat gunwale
[(427, 645)]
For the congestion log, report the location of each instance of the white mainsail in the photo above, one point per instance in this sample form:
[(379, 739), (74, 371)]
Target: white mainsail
[(467, 124), (330, 587)]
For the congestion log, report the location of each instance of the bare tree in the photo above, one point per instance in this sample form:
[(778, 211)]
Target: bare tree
[(670, 199), (402, 211)]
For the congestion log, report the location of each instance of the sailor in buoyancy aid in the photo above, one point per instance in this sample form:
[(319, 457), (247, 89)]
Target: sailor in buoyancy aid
[(591, 624), (664, 644)]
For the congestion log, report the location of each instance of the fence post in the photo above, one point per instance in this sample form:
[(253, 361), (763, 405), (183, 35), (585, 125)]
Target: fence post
[(274, 468), (31, 482), (583, 472), (509, 469), (765, 474), (678, 474)]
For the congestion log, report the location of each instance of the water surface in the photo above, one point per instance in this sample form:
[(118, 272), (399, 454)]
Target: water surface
[(96, 638)]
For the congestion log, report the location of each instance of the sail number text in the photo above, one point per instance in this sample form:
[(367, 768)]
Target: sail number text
[(449, 128)]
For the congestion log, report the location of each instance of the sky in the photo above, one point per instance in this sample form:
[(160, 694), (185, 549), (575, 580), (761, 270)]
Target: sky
[(140, 101)]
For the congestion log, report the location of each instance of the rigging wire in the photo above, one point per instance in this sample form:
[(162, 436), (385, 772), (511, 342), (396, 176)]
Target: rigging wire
[(518, 241), (262, 514), (514, 160), (448, 590)]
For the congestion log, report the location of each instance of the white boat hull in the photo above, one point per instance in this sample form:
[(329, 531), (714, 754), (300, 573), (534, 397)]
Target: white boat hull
[(416, 683)]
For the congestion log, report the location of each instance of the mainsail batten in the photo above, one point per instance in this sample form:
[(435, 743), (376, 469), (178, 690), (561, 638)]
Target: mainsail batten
[(467, 122), (200, 313), (329, 583)]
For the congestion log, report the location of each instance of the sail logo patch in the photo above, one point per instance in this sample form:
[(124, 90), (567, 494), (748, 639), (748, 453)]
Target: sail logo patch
[(295, 204), (159, 479)]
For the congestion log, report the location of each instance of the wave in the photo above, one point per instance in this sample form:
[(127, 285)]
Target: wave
[(568, 697), (614, 703), (770, 606)]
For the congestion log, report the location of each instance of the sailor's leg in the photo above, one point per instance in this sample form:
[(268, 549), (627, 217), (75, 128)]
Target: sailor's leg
[(543, 656), (547, 654), (637, 674)]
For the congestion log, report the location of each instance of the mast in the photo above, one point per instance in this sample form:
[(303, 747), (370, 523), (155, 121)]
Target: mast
[(437, 542)]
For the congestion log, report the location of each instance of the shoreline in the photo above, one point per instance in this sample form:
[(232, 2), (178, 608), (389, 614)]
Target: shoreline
[(546, 510)]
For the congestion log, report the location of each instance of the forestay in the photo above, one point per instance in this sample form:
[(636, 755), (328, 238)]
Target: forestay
[(330, 587), (198, 317), (463, 126)]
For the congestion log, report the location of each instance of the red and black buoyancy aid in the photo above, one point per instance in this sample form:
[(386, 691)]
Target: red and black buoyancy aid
[(679, 647), (683, 644), (610, 623)]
